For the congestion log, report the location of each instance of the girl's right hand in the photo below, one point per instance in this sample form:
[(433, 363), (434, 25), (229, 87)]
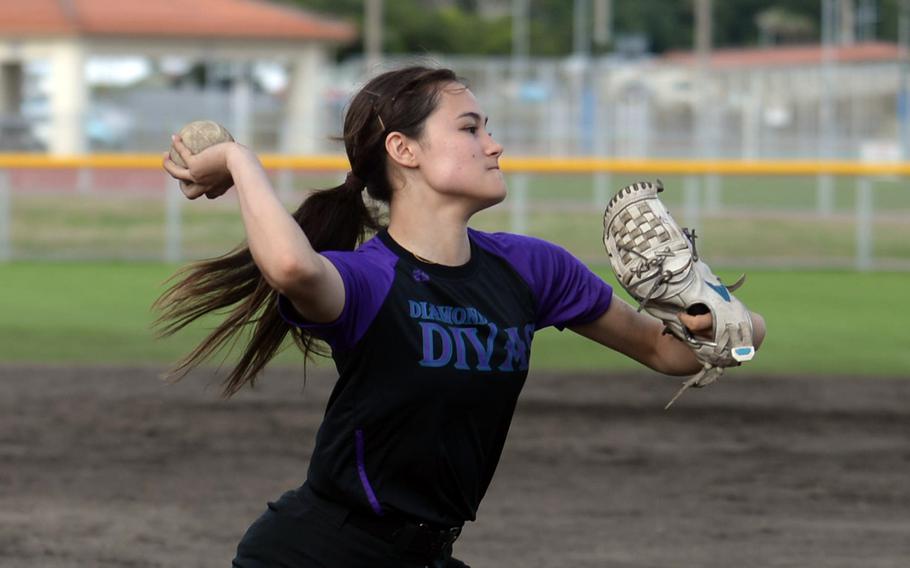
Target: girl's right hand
[(206, 173)]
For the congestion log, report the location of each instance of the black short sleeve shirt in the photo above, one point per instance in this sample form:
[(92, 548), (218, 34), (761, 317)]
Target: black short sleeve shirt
[(431, 360)]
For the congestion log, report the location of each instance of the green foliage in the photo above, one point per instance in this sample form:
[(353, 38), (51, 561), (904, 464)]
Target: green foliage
[(92, 313), (429, 26), (447, 30), (666, 23)]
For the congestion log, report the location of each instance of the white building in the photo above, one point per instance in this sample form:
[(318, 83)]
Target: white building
[(67, 33)]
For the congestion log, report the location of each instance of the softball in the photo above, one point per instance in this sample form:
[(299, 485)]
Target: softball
[(199, 135)]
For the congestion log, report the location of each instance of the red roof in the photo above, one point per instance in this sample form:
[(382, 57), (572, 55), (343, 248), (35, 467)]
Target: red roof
[(791, 55), (168, 18)]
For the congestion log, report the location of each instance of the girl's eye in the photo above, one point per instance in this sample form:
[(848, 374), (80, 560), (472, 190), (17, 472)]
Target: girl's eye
[(471, 129)]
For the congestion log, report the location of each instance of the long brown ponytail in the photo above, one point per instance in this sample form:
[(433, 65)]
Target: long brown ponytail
[(332, 219)]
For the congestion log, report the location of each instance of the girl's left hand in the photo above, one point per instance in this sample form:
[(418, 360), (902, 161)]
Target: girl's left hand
[(206, 172), (701, 325)]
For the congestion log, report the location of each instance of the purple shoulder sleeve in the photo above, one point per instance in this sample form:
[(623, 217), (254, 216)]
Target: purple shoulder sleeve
[(566, 290), (367, 274)]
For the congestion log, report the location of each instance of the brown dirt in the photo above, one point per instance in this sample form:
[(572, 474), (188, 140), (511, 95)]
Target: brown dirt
[(110, 467)]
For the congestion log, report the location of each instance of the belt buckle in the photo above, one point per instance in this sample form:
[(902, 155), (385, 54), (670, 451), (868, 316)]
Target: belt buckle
[(452, 534), (445, 537), (423, 538)]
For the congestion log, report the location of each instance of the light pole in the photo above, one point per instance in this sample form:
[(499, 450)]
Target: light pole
[(373, 33), (580, 41), (521, 47), (521, 41), (703, 40), (827, 131), (704, 117), (904, 90), (603, 21)]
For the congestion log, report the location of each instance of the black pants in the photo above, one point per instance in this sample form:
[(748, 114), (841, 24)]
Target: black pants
[(302, 530)]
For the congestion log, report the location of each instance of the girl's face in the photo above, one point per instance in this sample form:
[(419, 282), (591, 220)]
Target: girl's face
[(456, 154)]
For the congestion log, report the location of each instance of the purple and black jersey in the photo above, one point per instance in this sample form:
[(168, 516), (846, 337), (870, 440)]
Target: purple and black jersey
[(431, 359)]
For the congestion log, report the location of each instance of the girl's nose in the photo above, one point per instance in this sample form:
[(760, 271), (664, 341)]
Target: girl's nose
[(494, 148)]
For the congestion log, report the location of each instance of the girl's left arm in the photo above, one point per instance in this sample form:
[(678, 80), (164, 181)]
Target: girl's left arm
[(641, 337)]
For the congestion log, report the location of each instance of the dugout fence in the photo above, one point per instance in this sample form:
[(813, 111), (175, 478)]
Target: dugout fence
[(749, 213)]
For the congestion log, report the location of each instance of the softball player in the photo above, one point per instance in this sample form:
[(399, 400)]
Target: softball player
[(430, 323)]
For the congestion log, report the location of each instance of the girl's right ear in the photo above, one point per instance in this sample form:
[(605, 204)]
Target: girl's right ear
[(401, 149)]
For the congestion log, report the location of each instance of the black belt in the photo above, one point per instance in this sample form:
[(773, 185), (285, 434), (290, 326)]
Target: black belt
[(412, 537)]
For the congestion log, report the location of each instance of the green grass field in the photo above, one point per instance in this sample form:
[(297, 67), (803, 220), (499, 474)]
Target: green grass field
[(760, 221), (820, 322), (825, 323)]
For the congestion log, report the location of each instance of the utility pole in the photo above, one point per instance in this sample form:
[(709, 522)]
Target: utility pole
[(521, 41), (703, 40), (603, 25), (707, 127), (373, 34), (903, 35), (521, 49), (866, 20), (603, 21), (847, 23), (827, 129), (703, 30), (581, 42)]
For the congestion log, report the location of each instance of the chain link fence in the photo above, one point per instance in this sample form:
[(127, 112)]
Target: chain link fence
[(115, 213)]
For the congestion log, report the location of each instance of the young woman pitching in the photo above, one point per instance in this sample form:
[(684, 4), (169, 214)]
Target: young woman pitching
[(429, 322)]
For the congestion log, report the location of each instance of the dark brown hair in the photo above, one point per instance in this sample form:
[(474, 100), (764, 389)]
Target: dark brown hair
[(332, 219)]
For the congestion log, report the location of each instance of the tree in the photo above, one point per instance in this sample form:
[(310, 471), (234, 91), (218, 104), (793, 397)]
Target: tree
[(777, 25), (462, 26)]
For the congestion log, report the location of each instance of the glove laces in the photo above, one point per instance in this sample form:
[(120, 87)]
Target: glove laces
[(656, 264)]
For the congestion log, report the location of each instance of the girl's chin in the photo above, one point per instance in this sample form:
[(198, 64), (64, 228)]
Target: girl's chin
[(494, 200)]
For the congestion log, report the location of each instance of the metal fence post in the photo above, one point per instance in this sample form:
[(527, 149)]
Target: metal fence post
[(864, 224), (691, 202), (285, 182), (827, 112), (6, 249), (824, 196), (172, 222), (602, 179), (713, 190), (84, 180), (518, 203), (601, 194)]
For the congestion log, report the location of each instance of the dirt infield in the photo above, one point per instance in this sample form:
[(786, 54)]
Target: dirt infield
[(110, 467)]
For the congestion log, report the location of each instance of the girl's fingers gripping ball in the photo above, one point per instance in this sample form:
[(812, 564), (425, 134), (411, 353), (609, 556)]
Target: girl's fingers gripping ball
[(199, 135)]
